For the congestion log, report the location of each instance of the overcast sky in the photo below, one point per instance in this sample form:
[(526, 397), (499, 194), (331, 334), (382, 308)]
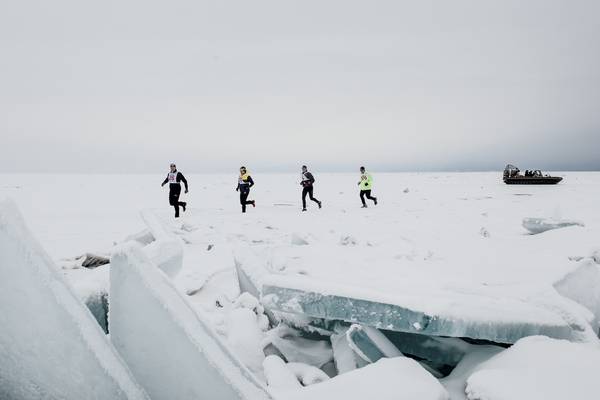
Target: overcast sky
[(128, 86)]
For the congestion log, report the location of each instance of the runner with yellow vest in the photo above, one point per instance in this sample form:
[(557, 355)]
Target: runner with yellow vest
[(366, 185), (245, 182)]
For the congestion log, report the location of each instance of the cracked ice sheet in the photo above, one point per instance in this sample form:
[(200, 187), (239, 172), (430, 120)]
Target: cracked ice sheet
[(441, 266), (422, 296), (428, 234)]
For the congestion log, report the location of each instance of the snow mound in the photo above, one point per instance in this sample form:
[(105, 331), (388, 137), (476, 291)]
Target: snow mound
[(299, 349), (582, 286), (307, 374), (245, 333), (170, 348), (50, 345), (538, 368), (456, 382), (388, 379), (279, 376), (539, 225)]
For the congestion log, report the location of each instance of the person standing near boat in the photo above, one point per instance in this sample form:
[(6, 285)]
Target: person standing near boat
[(173, 178), (307, 187), (366, 185), (245, 182)]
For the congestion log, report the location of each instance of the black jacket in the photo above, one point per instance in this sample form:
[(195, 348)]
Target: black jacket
[(179, 178), (307, 179), (245, 185)]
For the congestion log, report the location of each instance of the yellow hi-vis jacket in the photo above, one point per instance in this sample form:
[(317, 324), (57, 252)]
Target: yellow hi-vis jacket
[(366, 181)]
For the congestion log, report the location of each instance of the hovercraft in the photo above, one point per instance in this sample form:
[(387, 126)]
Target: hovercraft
[(512, 176)]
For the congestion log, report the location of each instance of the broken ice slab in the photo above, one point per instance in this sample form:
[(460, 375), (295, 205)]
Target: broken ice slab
[(250, 270), (295, 348), (343, 355), (453, 314), (539, 225), (97, 303), (370, 344), (167, 250), (50, 345), (171, 349), (438, 350)]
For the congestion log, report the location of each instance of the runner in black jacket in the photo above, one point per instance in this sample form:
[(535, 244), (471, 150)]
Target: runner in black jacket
[(173, 178), (307, 187), (245, 182)]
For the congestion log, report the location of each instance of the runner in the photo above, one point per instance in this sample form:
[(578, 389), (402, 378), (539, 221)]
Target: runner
[(173, 178), (245, 182), (307, 187), (366, 184)]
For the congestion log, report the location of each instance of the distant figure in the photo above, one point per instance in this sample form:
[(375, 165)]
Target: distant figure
[(173, 178), (245, 182), (307, 187), (366, 185)]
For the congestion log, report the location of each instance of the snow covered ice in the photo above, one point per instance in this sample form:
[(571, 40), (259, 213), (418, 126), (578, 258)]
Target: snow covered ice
[(370, 344), (449, 257), (398, 378), (166, 251), (50, 345), (171, 349), (538, 368), (539, 225)]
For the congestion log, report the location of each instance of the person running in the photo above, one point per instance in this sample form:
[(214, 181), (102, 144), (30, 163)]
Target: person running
[(307, 187), (366, 184), (173, 178), (245, 182)]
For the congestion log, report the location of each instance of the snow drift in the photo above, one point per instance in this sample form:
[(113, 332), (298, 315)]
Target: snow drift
[(398, 378), (538, 368)]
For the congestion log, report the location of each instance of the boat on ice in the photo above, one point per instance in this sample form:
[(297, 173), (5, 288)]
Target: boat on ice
[(512, 176)]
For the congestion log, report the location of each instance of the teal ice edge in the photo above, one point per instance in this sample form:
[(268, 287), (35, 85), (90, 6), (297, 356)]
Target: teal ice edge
[(397, 318)]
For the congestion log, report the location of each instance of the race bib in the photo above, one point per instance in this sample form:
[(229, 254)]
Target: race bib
[(172, 177)]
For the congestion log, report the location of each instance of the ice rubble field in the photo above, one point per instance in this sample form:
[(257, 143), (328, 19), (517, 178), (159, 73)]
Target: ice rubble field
[(448, 245)]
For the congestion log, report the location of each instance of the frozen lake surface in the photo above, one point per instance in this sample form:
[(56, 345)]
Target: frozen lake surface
[(449, 249)]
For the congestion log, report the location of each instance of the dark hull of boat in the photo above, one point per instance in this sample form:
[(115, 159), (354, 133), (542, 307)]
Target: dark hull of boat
[(526, 180)]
